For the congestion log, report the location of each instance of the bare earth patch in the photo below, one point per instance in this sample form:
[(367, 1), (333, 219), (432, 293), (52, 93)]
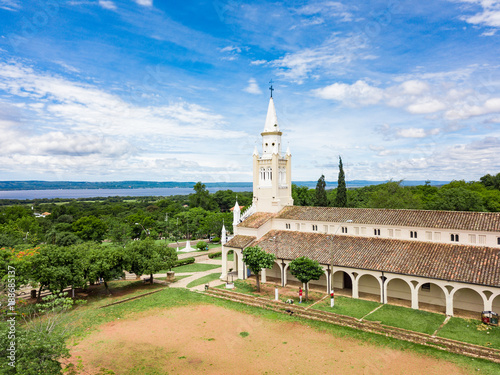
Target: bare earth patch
[(213, 340)]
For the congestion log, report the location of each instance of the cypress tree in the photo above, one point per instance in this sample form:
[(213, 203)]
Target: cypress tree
[(321, 199), (341, 199)]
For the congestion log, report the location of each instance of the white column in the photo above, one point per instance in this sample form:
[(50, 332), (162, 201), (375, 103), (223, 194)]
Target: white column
[(328, 284), (355, 287), (383, 295), (488, 303), (241, 267), (449, 304), (284, 272), (263, 275), (224, 263), (414, 296)]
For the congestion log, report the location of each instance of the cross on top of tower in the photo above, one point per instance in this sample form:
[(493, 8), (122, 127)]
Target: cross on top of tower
[(271, 87)]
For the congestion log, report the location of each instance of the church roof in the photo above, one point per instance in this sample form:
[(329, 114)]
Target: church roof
[(457, 220), (468, 264), (271, 119), (256, 220), (240, 242)]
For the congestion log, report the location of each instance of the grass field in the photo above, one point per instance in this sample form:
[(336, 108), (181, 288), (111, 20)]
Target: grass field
[(356, 308), (402, 317), (194, 267), (472, 331), (204, 280), (86, 319)]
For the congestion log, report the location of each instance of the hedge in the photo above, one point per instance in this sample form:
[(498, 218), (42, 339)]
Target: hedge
[(182, 262), (218, 254)]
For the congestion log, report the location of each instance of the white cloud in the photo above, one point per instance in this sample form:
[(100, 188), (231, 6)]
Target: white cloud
[(252, 87), (12, 5), (488, 16), (231, 49), (335, 53), (83, 128), (357, 93), (107, 4), (146, 3), (426, 105), (466, 111), (258, 62)]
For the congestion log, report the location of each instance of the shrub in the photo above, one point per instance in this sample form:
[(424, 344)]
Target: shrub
[(215, 239), (202, 245), (215, 255), (182, 262)]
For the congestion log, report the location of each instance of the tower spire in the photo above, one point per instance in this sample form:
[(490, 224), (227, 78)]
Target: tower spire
[(271, 87)]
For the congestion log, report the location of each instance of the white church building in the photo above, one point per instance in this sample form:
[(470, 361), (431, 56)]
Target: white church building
[(438, 259)]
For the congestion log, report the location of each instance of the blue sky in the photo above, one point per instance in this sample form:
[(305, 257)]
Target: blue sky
[(106, 90)]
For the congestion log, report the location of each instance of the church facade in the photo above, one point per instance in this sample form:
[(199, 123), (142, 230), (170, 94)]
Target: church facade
[(440, 260)]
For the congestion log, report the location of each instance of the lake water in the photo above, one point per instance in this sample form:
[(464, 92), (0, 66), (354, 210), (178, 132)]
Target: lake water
[(91, 193)]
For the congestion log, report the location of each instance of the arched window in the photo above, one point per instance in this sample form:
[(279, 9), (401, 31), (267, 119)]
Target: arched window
[(269, 174), (262, 174)]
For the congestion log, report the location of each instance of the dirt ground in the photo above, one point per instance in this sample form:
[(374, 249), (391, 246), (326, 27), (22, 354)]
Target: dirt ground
[(212, 340)]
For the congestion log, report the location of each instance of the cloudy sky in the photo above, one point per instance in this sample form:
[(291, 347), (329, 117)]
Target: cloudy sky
[(106, 90)]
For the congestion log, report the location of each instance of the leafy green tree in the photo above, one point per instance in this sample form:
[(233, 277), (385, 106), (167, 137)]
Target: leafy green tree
[(201, 198), (302, 195), (320, 198), (40, 342), (256, 259), (491, 182), (90, 228), (56, 268), (146, 257), (341, 198), (305, 270), (393, 195), (457, 199), (103, 262)]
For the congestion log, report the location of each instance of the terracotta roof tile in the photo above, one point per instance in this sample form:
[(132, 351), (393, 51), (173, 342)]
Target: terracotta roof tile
[(469, 264), (256, 220), (240, 242), (458, 220)]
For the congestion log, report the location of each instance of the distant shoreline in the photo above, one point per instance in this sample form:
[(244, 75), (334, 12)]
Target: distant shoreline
[(133, 185)]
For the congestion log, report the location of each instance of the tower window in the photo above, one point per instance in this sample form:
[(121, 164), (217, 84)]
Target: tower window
[(376, 232), (344, 229), (454, 238), (288, 226), (315, 227), (273, 144), (413, 234)]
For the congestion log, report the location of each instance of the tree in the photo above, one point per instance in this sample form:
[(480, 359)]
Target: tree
[(90, 228), (146, 257), (305, 270), (302, 195), (256, 259), (393, 195), (341, 198), (201, 198), (457, 199), (57, 268), (41, 341), (201, 245), (104, 262), (491, 182), (320, 198)]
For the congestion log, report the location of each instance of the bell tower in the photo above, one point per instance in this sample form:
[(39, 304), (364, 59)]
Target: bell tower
[(272, 177)]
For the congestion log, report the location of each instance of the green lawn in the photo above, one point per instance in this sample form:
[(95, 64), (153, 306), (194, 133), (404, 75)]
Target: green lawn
[(403, 317), (204, 280), (87, 318), (356, 308), (229, 257), (194, 267), (473, 331)]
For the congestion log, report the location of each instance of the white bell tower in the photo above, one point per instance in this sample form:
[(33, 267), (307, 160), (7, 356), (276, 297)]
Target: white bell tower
[(272, 177)]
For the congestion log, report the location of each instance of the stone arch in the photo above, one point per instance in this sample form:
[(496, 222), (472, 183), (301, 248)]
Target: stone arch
[(431, 296), (398, 291), (496, 304), (468, 302), (369, 287)]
